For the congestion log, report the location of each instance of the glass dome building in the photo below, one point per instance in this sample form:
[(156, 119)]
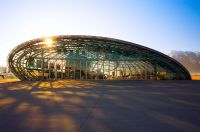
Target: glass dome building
[(77, 57)]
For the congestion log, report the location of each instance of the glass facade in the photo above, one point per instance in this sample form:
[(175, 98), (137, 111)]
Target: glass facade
[(90, 57)]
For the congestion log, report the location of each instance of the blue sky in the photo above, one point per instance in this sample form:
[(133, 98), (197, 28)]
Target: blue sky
[(163, 25)]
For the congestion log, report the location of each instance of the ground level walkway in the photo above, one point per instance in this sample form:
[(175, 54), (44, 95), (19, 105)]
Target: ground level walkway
[(100, 106)]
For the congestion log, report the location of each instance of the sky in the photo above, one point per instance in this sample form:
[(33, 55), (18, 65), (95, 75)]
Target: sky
[(163, 25)]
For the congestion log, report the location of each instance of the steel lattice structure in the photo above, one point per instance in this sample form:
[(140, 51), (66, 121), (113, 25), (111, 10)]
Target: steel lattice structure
[(91, 57)]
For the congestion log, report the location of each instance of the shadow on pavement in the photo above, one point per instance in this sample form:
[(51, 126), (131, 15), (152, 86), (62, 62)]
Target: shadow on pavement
[(65, 105)]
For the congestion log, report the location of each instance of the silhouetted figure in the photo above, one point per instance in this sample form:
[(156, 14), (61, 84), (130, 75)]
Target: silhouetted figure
[(2, 76)]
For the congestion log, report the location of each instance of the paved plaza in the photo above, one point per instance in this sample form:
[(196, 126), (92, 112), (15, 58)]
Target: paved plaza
[(100, 106)]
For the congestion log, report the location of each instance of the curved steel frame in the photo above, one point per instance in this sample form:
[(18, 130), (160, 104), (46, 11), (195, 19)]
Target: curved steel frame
[(91, 57)]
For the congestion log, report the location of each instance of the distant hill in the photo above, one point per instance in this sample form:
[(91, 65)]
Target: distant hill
[(191, 60)]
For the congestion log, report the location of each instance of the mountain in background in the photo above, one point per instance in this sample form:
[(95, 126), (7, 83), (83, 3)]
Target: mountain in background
[(191, 60)]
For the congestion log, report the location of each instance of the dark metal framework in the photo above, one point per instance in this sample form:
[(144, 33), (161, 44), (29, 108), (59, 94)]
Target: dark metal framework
[(91, 57)]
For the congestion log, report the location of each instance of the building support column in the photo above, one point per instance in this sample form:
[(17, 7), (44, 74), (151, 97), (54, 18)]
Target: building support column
[(103, 70), (155, 71), (42, 64), (145, 70), (80, 70), (86, 70), (74, 71)]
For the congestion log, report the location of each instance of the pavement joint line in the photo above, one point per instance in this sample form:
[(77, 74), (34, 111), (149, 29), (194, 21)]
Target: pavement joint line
[(90, 113)]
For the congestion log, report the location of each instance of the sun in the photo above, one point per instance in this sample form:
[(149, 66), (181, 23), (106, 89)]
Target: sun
[(49, 42)]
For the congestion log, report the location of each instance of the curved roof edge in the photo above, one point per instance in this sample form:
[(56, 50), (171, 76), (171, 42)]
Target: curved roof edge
[(103, 38)]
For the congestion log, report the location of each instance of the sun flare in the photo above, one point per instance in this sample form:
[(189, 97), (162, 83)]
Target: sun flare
[(49, 42)]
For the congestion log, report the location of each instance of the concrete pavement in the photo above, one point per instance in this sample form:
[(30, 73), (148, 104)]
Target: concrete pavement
[(100, 106)]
